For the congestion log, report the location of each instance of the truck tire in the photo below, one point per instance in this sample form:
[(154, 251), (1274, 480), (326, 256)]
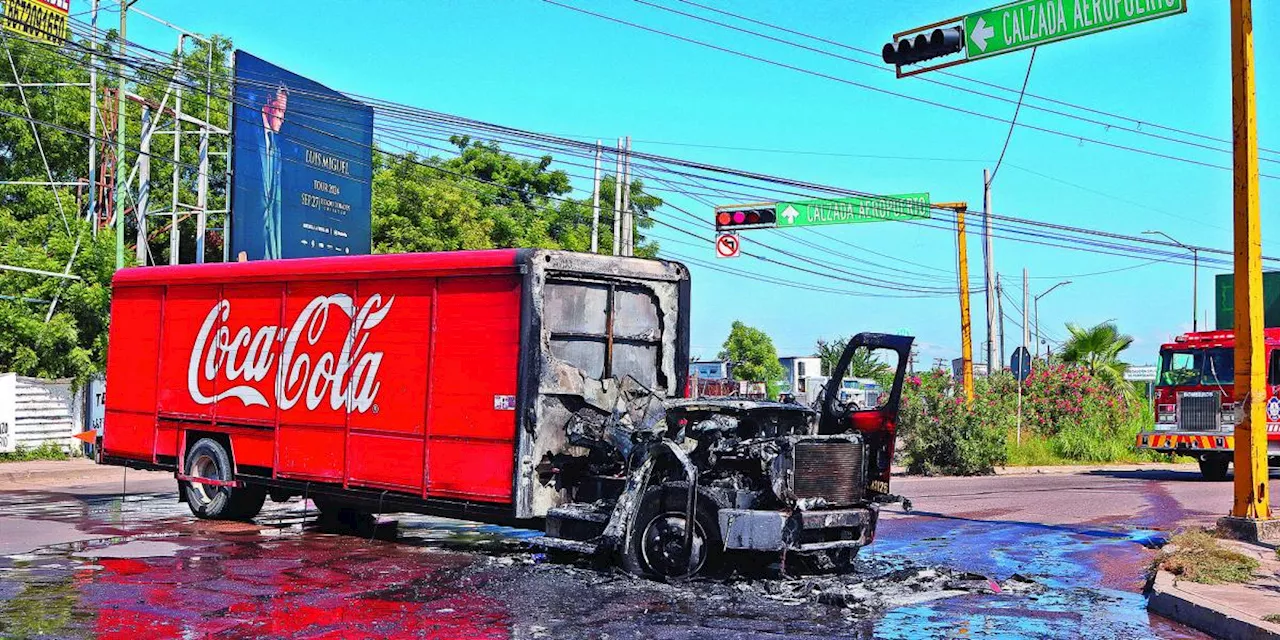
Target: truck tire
[(1214, 467), (656, 547), (209, 459)]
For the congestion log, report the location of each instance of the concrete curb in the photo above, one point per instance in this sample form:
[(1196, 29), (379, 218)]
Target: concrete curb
[(79, 470), (900, 471), (1214, 618)]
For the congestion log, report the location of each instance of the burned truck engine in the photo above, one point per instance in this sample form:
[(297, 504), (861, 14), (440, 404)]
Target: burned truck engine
[(753, 476)]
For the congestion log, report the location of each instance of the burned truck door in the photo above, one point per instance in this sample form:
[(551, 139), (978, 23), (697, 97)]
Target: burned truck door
[(876, 423)]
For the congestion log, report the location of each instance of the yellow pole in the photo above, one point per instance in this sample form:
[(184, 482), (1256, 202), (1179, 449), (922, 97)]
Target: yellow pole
[(966, 327), (1251, 500)]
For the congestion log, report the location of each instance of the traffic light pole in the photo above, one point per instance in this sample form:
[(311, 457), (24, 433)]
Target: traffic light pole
[(966, 326), (1252, 502)]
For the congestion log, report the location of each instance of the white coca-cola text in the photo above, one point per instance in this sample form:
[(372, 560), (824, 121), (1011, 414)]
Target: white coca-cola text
[(349, 377)]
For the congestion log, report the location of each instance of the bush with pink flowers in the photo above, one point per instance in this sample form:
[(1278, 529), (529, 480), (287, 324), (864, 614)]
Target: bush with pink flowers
[(1067, 416)]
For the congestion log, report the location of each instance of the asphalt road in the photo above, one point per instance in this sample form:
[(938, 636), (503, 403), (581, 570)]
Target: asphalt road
[(83, 561)]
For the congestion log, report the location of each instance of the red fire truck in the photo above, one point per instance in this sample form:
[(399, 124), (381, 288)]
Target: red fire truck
[(537, 388), (1195, 405)]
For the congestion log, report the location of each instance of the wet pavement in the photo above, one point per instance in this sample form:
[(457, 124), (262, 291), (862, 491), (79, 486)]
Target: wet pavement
[(1064, 558)]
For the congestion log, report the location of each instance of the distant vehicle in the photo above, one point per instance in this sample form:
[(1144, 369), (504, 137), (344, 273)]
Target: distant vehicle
[(1195, 404), (529, 387), (861, 392)]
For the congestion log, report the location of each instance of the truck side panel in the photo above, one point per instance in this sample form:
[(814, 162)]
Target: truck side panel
[(471, 432), (186, 309), (386, 444), (311, 438), (134, 348)]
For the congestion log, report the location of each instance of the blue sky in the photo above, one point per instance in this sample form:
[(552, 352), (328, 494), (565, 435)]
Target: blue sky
[(537, 66)]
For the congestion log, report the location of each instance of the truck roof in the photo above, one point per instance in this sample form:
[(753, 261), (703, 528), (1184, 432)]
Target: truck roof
[(391, 265), (1217, 338)]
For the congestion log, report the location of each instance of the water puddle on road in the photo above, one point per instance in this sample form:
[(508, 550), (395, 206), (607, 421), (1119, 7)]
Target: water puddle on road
[(147, 569)]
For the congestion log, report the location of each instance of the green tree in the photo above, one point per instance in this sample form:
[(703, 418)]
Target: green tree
[(753, 356), (486, 198), (1098, 350), (864, 363), (44, 229)]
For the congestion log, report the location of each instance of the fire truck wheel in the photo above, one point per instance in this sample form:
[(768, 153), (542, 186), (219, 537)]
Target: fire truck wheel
[(1214, 468), (656, 547)]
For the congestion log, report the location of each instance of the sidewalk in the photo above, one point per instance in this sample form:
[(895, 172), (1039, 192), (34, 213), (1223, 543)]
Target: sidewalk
[(81, 470), (1224, 610)]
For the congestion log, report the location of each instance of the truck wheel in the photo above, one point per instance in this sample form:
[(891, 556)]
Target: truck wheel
[(1214, 468), (209, 459), (656, 548)]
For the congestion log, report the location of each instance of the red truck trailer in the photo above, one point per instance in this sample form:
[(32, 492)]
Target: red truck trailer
[(517, 386)]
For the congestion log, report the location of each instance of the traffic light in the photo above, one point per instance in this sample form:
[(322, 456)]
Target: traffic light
[(733, 218), (938, 43)]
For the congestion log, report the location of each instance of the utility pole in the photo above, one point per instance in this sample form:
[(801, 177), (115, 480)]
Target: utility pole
[(144, 185), (174, 235), (1026, 328), (1251, 499), (595, 206), (628, 224), (617, 203), (120, 123), (999, 362), (93, 123), (962, 272), (989, 266)]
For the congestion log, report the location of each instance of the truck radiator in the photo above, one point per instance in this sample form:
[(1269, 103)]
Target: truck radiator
[(1199, 411), (829, 469)]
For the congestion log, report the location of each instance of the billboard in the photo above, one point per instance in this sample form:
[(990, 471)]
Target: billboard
[(301, 164)]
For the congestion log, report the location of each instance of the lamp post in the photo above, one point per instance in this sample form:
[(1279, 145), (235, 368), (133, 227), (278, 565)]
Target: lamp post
[(1195, 273), (1037, 303)]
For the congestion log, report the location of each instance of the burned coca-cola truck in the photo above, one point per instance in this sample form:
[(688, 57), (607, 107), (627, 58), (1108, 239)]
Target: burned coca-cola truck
[(528, 387)]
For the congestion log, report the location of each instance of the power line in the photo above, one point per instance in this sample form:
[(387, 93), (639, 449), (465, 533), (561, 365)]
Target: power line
[(868, 87), (967, 79)]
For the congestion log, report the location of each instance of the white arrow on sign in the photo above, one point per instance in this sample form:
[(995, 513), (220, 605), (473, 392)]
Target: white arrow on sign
[(981, 33), (790, 214)]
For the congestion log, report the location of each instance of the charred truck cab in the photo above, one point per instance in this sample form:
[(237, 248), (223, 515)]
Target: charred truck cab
[(528, 387)]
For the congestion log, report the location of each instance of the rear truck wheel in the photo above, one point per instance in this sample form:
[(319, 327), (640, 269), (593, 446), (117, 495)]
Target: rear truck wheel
[(656, 548), (1213, 467), (209, 459)]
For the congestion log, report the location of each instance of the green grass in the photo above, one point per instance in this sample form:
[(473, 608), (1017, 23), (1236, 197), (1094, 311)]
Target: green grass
[(1199, 557), (46, 451), (1273, 618), (1083, 444)]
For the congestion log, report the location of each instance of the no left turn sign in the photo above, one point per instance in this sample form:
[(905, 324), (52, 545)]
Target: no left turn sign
[(728, 246)]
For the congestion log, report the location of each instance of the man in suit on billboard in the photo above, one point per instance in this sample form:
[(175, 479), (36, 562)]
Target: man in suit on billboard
[(272, 119)]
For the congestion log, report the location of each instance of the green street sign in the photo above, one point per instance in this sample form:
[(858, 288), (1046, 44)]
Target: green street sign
[(809, 213), (1030, 23)]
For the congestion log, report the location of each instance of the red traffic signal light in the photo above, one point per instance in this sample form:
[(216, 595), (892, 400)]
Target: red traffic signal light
[(746, 217)]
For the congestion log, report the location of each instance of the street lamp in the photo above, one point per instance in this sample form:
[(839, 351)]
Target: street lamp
[(1195, 275), (1039, 339)]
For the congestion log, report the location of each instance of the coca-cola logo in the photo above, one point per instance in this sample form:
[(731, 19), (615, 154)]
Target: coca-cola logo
[(348, 378)]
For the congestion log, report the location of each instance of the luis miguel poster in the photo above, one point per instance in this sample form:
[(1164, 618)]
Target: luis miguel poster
[(302, 157)]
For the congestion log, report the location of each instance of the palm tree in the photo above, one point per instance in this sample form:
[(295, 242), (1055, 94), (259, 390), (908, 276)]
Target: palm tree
[(1098, 350)]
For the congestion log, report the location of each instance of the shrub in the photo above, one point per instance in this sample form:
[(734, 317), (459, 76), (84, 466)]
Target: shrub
[(1067, 416), (943, 435), (46, 451)]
